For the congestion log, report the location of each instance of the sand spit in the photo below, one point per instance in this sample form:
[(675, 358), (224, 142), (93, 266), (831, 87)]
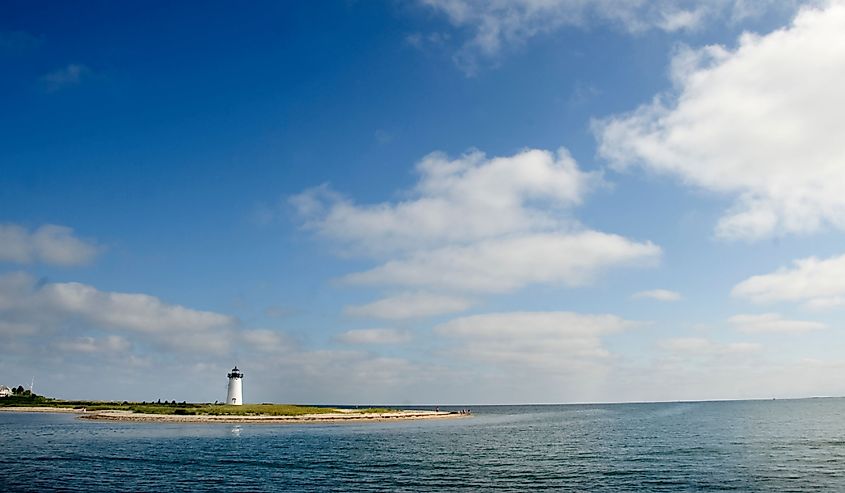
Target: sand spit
[(42, 409), (338, 417)]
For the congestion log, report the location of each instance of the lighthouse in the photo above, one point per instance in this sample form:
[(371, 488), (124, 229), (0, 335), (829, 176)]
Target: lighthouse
[(235, 395)]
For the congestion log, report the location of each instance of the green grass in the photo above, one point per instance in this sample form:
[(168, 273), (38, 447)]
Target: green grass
[(262, 409), (24, 400), (184, 408)]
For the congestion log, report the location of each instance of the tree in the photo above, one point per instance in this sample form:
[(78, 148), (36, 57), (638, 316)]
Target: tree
[(19, 390)]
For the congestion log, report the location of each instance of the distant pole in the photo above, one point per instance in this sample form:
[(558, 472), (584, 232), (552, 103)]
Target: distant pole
[(235, 396), (31, 384)]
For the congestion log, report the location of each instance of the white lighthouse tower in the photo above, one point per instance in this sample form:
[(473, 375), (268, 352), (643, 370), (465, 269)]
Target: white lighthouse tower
[(235, 395)]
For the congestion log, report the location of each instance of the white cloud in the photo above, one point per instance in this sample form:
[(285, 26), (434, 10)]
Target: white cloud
[(685, 344), (70, 75), (507, 264), (375, 336), (50, 306), (456, 201), (409, 305), (825, 303), (49, 243), (816, 283), (658, 294), (109, 344), (773, 322), (759, 122), (132, 311), (17, 328), (477, 224), (550, 340), (495, 24), (266, 340), (349, 376), (749, 374), (691, 346)]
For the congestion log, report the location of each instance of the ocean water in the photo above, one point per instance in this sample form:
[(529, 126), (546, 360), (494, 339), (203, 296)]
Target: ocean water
[(784, 445)]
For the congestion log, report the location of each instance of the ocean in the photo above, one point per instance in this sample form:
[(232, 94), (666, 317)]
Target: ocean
[(783, 445)]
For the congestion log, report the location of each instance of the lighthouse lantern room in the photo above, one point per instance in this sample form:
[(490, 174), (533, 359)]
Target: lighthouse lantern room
[(235, 395)]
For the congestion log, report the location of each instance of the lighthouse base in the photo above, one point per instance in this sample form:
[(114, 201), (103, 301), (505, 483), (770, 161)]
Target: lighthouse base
[(234, 396)]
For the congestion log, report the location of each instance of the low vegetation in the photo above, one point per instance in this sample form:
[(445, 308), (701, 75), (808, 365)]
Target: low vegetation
[(25, 399), (173, 407)]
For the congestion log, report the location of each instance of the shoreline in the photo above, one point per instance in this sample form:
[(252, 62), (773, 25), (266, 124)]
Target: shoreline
[(336, 417), (42, 409)]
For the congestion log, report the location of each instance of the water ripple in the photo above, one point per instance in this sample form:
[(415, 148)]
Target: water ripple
[(731, 446)]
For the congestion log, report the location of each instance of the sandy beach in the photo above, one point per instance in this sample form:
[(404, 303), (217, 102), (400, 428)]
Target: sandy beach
[(341, 416), (43, 409)]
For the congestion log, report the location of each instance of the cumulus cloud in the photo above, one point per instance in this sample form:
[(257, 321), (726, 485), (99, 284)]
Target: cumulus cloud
[(477, 224), (758, 123), (50, 306), (773, 322), (347, 376), (812, 281), (65, 330), (375, 336), (109, 344), (692, 346), (133, 311), (49, 244), (266, 340), (459, 200), (497, 24), (548, 340), (658, 294), (503, 265), (8, 328), (70, 75), (409, 305)]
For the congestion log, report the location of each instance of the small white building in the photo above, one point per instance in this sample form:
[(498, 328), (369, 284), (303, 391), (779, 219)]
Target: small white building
[(235, 394), (5, 391)]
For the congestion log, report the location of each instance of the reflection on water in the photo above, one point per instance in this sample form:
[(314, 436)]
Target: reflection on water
[(746, 446)]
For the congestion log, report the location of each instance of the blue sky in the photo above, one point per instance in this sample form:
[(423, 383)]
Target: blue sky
[(442, 201)]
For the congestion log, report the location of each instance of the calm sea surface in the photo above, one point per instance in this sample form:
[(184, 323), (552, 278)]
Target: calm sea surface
[(788, 445)]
